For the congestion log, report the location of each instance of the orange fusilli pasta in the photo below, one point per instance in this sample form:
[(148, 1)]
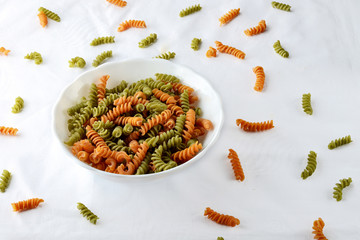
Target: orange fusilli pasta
[(229, 50), (43, 19), (175, 109), (236, 165), (260, 78), (229, 16), (116, 111), (256, 30), (221, 218), (189, 125), (131, 23), (131, 99), (82, 145), (8, 130), (181, 88), (198, 131), (95, 137), (4, 51), (134, 121), (164, 97), (318, 229), (101, 87), (83, 156), (186, 154), (254, 126), (160, 118), (136, 161), (211, 52), (119, 3), (111, 164), (26, 204), (205, 123)]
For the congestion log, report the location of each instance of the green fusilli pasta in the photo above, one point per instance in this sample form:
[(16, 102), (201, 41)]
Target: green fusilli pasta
[(166, 78), (195, 44), (89, 215), (102, 40), (77, 62), (198, 112), (220, 238), (311, 165), (172, 142), (281, 6), (4, 180), (191, 142), (167, 56), (100, 58), (119, 88), (19, 105), (306, 103), (35, 56), (339, 142), (179, 124), (93, 99), (184, 97), (50, 14), (158, 163), (76, 108), (99, 110), (109, 99), (148, 40), (139, 107), (144, 166), (190, 10), (127, 129), (339, 187), (280, 50), (117, 132), (76, 135)]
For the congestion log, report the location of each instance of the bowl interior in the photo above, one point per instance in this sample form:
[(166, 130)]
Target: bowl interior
[(131, 71)]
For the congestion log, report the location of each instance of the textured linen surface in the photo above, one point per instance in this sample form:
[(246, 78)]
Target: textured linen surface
[(322, 38)]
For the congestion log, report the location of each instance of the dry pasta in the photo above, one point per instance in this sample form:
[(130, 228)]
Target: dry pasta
[(131, 24), (26, 204), (256, 30), (119, 3), (221, 218), (236, 165), (260, 78), (4, 51), (226, 18), (229, 50), (254, 126)]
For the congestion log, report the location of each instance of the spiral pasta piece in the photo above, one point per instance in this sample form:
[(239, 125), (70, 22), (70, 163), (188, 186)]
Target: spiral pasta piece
[(102, 40), (254, 126), (158, 164), (260, 78), (4, 180), (229, 50), (339, 142), (205, 123), (26, 204), (131, 24), (148, 40), (35, 56), (134, 121), (116, 111), (101, 87), (119, 3), (211, 52), (4, 51), (227, 17), (89, 215), (166, 78), (136, 161), (50, 14), (195, 44), (318, 229), (185, 155), (311, 165), (179, 87), (77, 62), (306, 103), (166, 56), (256, 30), (236, 165), (8, 130), (339, 187), (281, 6), (132, 100), (175, 109), (189, 125), (101, 57), (160, 118), (82, 145), (190, 10), (226, 220), (280, 50), (43, 19), (164, 97), (19, 105), (95, 137)]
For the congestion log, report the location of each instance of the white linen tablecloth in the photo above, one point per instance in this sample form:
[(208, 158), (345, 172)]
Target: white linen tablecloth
[(322, 38)]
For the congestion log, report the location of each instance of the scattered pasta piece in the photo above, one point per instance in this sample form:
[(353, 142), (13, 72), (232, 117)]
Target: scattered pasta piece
[(260, 78), (50, 14), (77, 62), (131, 24), (190, 10), (19, 105), (339, 142), (4, 51), (211, 52), (280, 50), (101, 57), (281, 6), (43, 19), (35, 56), (119, 3), (236, 165), (89, 215), (166, 78), (254, 126), (226, 18), (8, 130), (167, 56), (318, 229), (306, 104), (148, 40), (195, 44), (311, 165), (26, 204), (229, 50), (220, 238), (256, 30), (102, 40), (221, 218), (4, 180), (339, 187)]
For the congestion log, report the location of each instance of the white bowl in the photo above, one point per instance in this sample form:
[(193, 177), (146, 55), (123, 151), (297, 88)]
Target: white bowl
[(131, 71)]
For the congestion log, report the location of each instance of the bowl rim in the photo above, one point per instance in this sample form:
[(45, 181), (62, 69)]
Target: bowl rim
[(120, 176)]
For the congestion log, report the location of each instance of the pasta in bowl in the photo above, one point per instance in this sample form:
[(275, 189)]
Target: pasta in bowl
[(137, 118)]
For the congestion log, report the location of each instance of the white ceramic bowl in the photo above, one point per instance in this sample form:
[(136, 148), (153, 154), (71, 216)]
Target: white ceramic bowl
[(131, 71)]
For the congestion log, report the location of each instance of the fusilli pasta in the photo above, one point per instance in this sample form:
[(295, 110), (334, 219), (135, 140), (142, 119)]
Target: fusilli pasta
[(236, 165), (4, 180), (19, 105), (221, 218), (50, 14), (280, 50), (131, 24), (8, 130), (195, 44), (89, 215), (254, 126), (281, 6), (167, 56), (190, 10), (318, 229), (148, 40), (102, 40), (211, 52), (229, 50), (26, 204), (260, 78), (339, 142), (256, 30), (119, 3), (43, 19), (35, 56), (227, 17), (100, 58), (4, 51), (339, 187), (306, 104), (311, 165), (77, 62)]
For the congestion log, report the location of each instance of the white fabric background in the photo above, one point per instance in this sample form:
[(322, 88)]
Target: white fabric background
[(272, 203)]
